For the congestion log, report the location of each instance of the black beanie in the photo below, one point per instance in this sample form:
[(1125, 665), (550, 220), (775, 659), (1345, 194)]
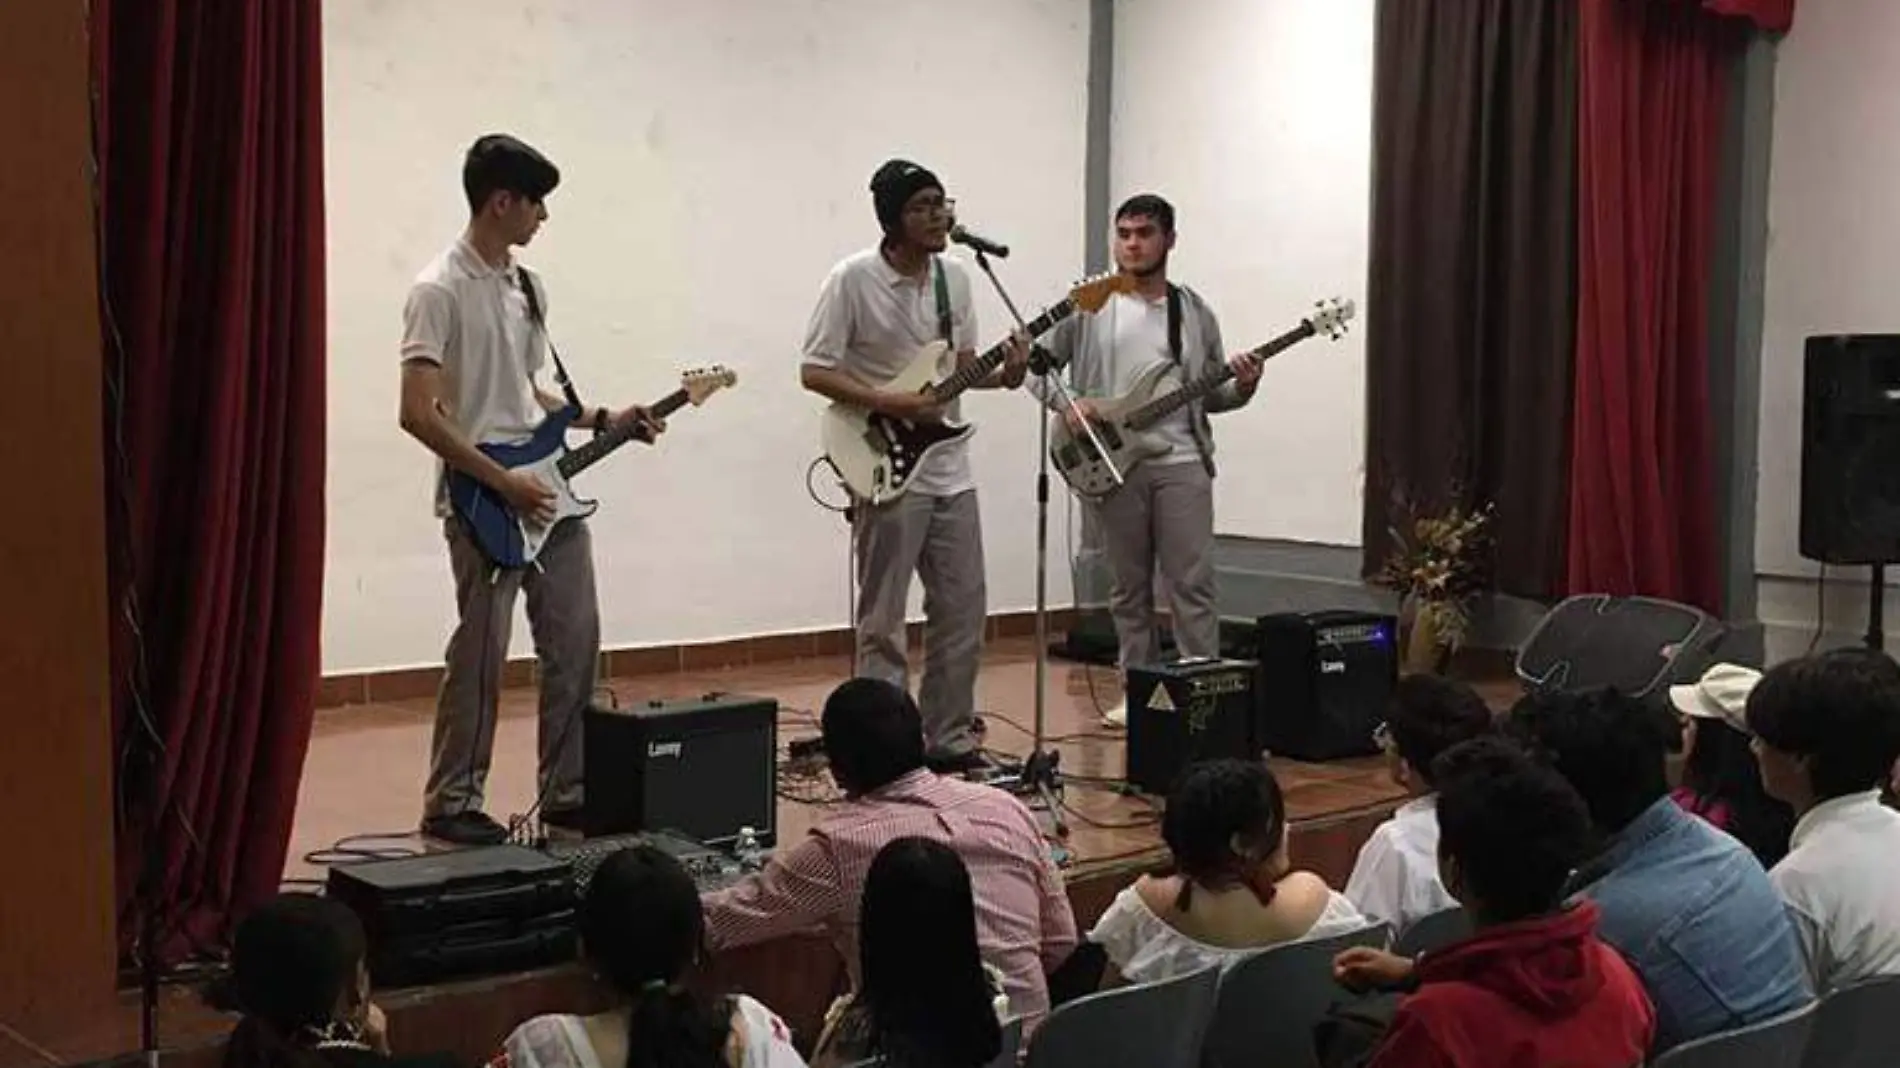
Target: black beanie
[(894, 184)]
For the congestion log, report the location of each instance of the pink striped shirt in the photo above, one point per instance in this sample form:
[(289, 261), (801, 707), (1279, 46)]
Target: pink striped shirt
[(1023, 922)]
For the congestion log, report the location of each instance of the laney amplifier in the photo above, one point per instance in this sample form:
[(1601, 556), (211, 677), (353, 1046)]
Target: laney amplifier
[(1187, 711), (1325, 679), (705, 766)]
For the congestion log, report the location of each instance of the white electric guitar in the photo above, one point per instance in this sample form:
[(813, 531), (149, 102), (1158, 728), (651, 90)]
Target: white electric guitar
[(1124, 424), (877, 455)]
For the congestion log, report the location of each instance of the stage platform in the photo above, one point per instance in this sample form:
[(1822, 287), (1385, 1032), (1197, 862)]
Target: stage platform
[(364, 772)]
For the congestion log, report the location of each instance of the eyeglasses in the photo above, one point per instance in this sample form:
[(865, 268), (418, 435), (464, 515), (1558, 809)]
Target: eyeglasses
[(928, 208)]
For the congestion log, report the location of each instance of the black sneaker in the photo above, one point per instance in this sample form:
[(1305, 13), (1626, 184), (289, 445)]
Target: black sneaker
[(958, 763), (567, 819), (471, 828)]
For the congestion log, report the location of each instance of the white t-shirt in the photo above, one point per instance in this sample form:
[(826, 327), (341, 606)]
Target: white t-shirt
[(557, 1041), (472, 320), (871, 322), (1146, 949), (1132, 332), (1841, 880), (1396, 878)]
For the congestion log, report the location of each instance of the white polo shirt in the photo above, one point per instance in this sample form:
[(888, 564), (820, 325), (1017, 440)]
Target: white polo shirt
[(1841, 880), (471, 319), (871, 322), (1396, 878)]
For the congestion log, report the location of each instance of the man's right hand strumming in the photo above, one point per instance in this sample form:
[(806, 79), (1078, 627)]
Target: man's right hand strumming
[(528, 496), (914, 407)]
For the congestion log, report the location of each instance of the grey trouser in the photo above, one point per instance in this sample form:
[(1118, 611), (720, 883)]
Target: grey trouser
[(564, 618), (941, 539), (1163, 514)]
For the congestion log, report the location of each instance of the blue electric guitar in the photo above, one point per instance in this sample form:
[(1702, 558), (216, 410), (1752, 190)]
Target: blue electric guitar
[(511, 541)]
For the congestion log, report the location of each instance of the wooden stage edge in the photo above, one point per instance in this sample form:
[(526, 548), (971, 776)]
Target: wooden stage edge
[(366, 762)]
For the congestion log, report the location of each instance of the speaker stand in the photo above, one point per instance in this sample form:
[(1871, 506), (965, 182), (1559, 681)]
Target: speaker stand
[(1877, 609)]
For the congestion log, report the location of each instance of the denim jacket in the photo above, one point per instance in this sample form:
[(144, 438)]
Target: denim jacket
[(1695, 915)]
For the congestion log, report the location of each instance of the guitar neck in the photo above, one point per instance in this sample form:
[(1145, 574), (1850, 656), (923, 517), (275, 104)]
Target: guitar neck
[(603, 445), (981, 367), (1161, 407)]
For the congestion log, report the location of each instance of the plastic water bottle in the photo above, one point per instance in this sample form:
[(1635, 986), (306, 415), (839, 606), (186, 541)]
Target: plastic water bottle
[(747, 849)]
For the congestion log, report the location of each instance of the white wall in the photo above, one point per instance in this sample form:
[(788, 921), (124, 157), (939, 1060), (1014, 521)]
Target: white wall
[(1254, 118), (1833, 267), (715, 156)]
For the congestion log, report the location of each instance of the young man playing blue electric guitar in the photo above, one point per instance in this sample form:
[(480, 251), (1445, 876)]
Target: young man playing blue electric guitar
[(878, 310), (474, 338), (1164, 513)]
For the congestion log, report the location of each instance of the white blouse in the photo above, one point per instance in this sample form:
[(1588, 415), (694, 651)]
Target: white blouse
[(559, 1041), (1145, 949)]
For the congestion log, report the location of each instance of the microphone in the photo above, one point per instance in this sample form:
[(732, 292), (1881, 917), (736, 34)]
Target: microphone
[(963, 235)]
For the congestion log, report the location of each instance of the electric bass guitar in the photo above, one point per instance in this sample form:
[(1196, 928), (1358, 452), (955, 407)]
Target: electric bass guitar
[(877, 455), (510, 540), (1125, 424)]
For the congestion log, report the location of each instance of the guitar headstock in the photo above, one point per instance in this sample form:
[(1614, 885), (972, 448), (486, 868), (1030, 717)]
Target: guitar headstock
[(1090, 294), (1331, 318), (702, 382)]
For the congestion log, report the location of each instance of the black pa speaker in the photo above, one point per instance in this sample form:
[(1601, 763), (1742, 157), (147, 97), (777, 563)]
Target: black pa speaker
[(1850, 449), (1634, 645)]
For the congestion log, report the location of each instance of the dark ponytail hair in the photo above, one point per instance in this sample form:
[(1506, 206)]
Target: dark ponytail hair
[(292, 961), (928, 998), (1721, 769), (642, 928)]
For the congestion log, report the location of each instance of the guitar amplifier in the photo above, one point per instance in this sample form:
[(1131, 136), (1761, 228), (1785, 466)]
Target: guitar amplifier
[(1324, 682), (706, 767), (1184, 712)]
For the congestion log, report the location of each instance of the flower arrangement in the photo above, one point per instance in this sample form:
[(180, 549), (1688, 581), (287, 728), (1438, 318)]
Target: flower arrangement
[(1438, 565)]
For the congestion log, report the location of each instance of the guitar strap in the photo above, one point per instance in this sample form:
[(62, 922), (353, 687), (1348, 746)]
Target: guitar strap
[(943, 303), (1174, 323), (528, 285), (1174, 353)]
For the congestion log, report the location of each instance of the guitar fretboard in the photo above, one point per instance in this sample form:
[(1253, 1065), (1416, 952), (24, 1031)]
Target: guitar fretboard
[(580, 459), (1147, 415), (979, 369)]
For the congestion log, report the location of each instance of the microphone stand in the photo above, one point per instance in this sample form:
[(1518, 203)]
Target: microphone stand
[(1041, 774)]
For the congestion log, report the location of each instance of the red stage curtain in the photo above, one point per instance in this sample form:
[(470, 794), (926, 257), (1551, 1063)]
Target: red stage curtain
[(1651, 96), (210, 140), (1773, 16)]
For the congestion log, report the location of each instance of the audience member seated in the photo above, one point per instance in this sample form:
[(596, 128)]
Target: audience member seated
[(874, 740), (1230, 892), (1396, 878), (641, 929), (1826, 731), (927, 999), (300, 977), (1533, 986), (1689, 906), (1720, 782)]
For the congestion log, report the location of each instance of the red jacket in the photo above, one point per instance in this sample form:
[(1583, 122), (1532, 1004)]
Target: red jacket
[(1543, 993)]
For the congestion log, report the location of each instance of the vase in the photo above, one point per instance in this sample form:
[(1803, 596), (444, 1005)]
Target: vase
[(1423, 651)]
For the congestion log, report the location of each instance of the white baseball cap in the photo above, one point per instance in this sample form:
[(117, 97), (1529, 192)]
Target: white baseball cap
[(1721, 693)]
